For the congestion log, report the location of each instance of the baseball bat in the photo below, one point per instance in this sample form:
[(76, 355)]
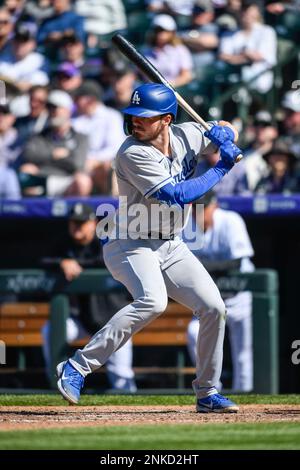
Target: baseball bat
[(155, 76)]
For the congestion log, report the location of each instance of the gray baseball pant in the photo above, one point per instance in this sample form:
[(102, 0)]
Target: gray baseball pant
[(152, 270)]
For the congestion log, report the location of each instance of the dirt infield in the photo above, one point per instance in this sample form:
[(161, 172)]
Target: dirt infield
[(41, 417)]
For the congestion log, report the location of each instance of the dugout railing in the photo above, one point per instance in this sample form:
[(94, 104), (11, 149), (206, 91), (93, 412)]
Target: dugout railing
[(263, 283)]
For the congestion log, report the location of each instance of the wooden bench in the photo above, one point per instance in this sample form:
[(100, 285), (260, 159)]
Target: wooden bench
[(21, 323), (17, 332)]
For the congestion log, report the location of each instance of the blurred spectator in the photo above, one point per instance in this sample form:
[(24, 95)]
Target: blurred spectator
[(219, 4), (172, 7), (104, 128), (112, 59), (227, 24), (22, 65), (265, 133), (39, 10), (285, 17), (24, 10), (36, 10), (228, 17), (233, 8), (123, 82), (88, 313), (73, 52), (59, 153), (167, 53), (6, 27), (281, 178), (291, 122), (34, 122), (101, 17), (237, 184), (252, 49), (276, 8), (63, 22), (15, 8), (226, 247), (67, 78), (202, 39), (9, 184), (9, 148)]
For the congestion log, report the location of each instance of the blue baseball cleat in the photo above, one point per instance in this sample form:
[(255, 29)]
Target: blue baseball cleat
[(216, 404), (70, 382)]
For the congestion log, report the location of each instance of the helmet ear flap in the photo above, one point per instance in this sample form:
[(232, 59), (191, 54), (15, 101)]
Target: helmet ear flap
[(127, 125)]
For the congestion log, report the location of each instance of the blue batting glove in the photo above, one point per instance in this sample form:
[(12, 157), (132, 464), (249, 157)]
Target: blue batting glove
[(229, 151), (219, 134)]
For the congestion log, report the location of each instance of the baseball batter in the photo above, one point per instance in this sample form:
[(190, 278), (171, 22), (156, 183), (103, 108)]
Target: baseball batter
[(154, 168)]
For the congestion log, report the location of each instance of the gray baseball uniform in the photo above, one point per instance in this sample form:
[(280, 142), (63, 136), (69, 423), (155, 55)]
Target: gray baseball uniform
[(153, 269)]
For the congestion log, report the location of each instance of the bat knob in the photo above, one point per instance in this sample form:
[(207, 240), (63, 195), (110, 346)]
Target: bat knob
[(239, 158)]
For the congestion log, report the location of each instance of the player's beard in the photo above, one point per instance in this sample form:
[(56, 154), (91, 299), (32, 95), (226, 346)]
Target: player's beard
[(146, 136)]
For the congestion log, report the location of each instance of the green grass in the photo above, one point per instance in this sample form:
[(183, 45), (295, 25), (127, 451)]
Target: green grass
[(125, 400), (279, 435), (203, 436)]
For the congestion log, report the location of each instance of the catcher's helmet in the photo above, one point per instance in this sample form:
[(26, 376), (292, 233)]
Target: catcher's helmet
[(151, 99)]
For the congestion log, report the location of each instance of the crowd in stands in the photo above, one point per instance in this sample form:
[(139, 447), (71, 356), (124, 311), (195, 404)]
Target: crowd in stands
[(65, 85)]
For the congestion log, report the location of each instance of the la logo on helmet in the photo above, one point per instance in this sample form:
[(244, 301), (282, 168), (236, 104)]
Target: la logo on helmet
[(136, 99)]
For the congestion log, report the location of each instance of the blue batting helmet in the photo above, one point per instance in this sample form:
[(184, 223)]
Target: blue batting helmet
[(151, 99)]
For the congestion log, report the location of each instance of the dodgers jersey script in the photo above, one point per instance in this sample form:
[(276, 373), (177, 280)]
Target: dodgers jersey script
[(142, 170)]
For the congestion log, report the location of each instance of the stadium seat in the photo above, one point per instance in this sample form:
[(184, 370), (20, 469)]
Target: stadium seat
[(183, 21), (138, 25), (288, 26), (196, 93), (134, 5)]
